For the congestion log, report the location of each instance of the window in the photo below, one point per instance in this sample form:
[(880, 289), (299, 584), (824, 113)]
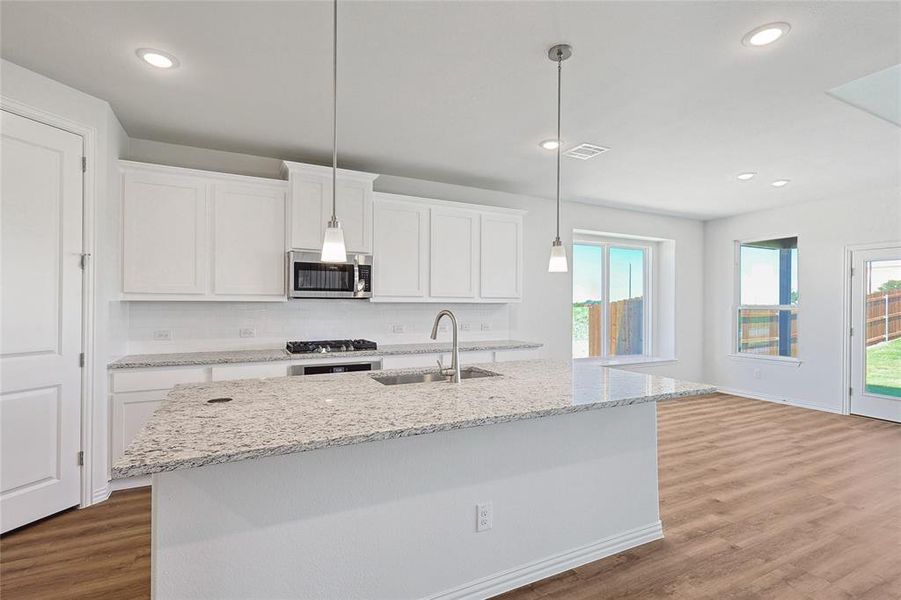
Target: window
[(767, 314), (611, 305)]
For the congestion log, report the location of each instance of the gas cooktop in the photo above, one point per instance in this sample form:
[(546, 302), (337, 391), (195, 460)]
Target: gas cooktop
[(325, 346)]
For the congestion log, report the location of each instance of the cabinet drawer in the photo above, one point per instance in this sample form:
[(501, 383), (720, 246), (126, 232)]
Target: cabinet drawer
[(410, 361), (524, 354), (229, 372), (157, 379), (470, 358)]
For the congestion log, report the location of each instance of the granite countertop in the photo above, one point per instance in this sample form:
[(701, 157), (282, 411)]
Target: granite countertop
[(139, 361), (284, 415)]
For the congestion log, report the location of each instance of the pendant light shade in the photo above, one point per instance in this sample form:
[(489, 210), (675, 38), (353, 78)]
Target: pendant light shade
[(333, 248), (558, 262)]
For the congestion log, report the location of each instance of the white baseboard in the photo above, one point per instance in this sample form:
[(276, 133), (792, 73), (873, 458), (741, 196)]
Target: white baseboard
[(777, 399), (100, 495), (129, 482), (552, 565)]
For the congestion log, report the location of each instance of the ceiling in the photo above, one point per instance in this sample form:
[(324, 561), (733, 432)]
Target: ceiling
[(462, 92)]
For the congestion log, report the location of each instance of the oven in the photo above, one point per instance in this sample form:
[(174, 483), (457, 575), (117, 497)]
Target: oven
[(309, 277)]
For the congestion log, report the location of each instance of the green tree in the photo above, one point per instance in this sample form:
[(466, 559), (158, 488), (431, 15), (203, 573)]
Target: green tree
[(891, 284)]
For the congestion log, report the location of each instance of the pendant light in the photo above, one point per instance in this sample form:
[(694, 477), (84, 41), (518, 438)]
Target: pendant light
[(333, 249), (557, 262)]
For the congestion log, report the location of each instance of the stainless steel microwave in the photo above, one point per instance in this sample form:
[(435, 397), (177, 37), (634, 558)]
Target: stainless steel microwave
[(309, 277)]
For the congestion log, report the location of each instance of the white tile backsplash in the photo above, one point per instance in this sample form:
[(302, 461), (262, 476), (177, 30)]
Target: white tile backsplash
[(200, 326)]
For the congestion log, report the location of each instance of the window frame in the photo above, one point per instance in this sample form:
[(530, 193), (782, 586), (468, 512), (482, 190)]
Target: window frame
[(648, 306), (737, 306)]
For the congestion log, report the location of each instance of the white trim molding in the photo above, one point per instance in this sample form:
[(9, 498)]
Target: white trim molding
[(552, 565), (776, 399)]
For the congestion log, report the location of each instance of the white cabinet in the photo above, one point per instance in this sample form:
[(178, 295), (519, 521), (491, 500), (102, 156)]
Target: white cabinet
[(198, 235), (310, 189), (165, 238), (428, 250), (400, 249), (248, 240), (454, 249), (501, 256)]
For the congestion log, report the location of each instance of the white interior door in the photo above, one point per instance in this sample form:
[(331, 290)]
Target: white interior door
[(876, 340), (40, 324)]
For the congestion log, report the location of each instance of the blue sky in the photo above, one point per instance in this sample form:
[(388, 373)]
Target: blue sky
[(588, 271)]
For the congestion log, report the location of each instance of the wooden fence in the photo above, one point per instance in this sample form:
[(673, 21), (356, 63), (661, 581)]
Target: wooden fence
[(883, 316), (759, 331), (625, 335)]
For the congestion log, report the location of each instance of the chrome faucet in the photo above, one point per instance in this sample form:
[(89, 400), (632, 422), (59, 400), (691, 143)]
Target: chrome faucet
[(454, 370)]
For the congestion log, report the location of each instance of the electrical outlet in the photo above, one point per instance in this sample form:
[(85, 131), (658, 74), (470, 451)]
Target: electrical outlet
[(484, 516), (465, 326), (162, 335), (758, 374), (486, 326), (443, 328), (399, 329), (247, 332)]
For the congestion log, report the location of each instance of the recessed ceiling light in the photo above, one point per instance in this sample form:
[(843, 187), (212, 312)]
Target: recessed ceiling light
[(746, 176), (550, 144), (780, 182), (766, 34), (157, 58)]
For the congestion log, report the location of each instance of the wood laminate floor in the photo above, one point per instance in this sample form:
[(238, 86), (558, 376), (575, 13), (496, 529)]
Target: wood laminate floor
[(758, 500)]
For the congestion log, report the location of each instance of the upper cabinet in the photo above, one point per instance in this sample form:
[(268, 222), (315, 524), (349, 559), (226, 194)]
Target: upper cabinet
[(198, 235), (428, 250), (310, 192)]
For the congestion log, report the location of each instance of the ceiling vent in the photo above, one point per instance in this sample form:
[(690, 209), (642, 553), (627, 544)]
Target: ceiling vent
[(585, 151)]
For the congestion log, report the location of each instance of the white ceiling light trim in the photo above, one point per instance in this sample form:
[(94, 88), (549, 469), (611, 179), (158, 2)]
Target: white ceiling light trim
[(157, 58), (746, 176), (766, 34), (557, 262), (780, 183), (550, 144)]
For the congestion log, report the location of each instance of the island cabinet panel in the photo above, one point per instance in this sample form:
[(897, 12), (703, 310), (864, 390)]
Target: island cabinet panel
[(501, 256), (429, 250), (310, 188), (199, 235), (248, 240), (400, 249), (453, 256), (165, 238)]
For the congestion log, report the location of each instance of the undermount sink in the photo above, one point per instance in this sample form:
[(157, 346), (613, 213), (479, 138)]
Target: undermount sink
[(432, 376)]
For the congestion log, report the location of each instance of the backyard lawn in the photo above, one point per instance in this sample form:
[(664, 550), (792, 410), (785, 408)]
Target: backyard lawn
[(884, 368)]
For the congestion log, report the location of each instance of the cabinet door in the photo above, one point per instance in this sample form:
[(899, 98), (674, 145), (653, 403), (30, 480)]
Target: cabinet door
[(248, 240), (453, 249), (354, 207), (308, 210), (165, 234), (501, 256), (400, 249), (130, 414)]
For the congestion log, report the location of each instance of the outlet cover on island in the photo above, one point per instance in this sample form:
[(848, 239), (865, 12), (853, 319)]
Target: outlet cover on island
[(162, 335), (247, 332)]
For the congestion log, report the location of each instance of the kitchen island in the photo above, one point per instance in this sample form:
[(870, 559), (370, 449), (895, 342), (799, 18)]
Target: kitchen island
[(358, 489)]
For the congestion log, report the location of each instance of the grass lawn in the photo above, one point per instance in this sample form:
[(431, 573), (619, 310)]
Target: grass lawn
[(884, 368)]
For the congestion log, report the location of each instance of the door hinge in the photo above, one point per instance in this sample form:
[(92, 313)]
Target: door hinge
[(852, 271), (84, 164), (852, 331), (85, 256), (81, 360), (850, 391), (81, 458)]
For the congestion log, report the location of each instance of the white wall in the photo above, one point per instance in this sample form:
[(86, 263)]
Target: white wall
[(824, 229), (544, 314), (110, 317)]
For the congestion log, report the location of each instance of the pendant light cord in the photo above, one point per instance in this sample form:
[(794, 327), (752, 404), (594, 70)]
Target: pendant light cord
[(335, 112), (559, 141)]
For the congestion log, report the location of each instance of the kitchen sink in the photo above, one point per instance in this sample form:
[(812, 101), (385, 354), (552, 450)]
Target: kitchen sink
[(432, 376)]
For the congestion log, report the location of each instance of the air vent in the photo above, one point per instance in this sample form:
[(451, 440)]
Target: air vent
[(585, 151)]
